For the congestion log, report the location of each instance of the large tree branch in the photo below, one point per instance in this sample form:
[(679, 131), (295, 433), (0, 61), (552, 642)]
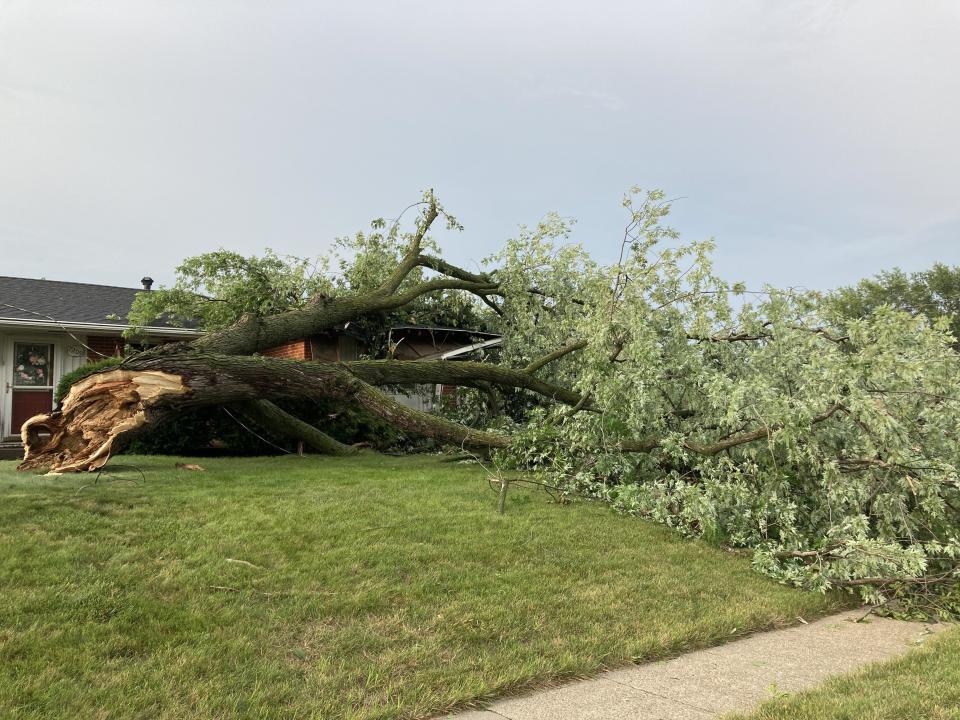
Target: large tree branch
[(442, 283), (733, 441), (744, 336), (461, 372), (555, 355), (409, 261), (279, 422), (252, 334), (444, 268), (256, 334)]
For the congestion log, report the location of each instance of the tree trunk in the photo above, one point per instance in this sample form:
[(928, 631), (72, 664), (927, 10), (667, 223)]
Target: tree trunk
[(103, 411), (103, 408)]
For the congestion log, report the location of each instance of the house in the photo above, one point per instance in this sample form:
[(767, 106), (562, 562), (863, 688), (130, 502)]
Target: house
[(49, 328), (407, 342)]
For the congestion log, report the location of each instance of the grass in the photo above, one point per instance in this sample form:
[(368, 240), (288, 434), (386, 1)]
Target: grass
[(924, 683), (371, 587)]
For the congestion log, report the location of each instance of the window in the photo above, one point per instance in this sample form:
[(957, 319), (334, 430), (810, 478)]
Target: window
[(32, 365)]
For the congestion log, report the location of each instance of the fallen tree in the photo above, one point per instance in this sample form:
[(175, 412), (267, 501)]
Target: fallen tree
[(758, 418)]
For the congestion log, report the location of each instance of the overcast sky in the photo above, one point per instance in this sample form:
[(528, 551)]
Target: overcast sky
[(818, 142)]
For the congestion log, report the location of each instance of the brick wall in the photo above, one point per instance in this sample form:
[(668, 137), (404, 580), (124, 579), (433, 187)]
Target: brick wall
[(99, 346), (448, 396), (296, 350), (112, 346)]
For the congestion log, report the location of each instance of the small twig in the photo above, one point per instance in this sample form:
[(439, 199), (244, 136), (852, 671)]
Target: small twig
[(579, 406), (243, 562), (463, 457), (107, 469), (502, 497)]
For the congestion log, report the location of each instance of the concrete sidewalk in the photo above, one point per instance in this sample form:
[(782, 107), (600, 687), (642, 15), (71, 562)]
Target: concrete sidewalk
[(736, 676)]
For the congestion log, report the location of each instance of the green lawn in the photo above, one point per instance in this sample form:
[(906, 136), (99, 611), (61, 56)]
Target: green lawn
[(376, 587), (924, 684)]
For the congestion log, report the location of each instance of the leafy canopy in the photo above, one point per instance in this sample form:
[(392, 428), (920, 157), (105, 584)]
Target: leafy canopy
[(934, 293), (214, 290), (829, 449)]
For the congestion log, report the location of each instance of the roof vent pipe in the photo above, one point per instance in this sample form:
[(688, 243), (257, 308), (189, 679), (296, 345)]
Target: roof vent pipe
[(147, 283)]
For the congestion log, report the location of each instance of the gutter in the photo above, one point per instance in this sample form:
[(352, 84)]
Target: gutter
[(99, 327), (464, 350)]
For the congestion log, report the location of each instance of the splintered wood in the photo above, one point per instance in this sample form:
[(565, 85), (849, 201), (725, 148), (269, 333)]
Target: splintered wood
[(79, 437)]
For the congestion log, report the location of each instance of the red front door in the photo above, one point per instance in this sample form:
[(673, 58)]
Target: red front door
[(32, 382)]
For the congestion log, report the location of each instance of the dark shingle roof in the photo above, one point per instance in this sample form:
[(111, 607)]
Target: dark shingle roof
[(65, 302)]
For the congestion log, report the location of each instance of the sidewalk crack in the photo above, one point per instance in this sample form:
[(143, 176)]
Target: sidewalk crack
[(666, 697)]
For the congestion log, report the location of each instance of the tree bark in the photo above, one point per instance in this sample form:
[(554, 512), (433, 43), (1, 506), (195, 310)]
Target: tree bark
[(460, 372)]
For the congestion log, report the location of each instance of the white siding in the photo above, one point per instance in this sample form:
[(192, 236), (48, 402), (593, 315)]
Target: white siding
[(419, 397), (69, 354)]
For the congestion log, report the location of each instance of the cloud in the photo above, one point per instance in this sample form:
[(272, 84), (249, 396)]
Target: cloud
[(590, 99), (802, 133)]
